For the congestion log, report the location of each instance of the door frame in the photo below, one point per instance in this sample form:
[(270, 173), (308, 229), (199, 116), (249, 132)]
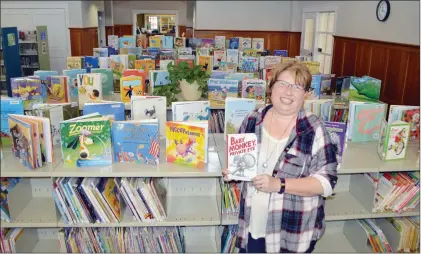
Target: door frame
[(303, 31), (135, 12)]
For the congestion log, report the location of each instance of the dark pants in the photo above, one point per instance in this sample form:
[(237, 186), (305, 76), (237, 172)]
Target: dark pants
[(259, 246)]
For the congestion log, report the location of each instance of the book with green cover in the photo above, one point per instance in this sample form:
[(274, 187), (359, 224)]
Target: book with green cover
[(393, 141), (86, 141), (107, 81)]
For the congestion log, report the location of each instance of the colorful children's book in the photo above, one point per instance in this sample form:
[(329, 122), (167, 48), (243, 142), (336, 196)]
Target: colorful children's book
[(113, 41), (270, 62), (22, 142), (393, 141), (207, 43), (236, 109), (258, 44), (184, 51), (55, 113), (114, 110), (220, 42), (72, 83), (313, 66), (206, 62), (241, 156), (187, 143), (249, 64), (155, 41), (228, 67), (159, 78), (280, 52), (8, 106), (136, 141), (29, 90), (409, 114), (150, 107), (119, 63), (337, 132), (254, 89), (234, 43), (364, 89), (167, 42), (219, 56), (127, 42), (43, 76), (90, 62), (89, 88), (141, 41), (246, 43), (131, 86), (86, 141), (194, 43), (107, 82), (57, 89), (146, 65), (179, 42), (232, 56), (75, 62), (101, 52), (190, 111), (220, 89)]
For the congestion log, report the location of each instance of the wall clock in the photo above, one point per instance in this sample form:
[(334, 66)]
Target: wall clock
[(383, 10)]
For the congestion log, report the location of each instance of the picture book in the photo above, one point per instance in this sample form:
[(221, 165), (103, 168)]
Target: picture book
[(75, 62), (364, 89), (271, 61), (280, 52), (241, 156), (119, 63), (236, 109), (184, 51), (219, 56), (138, 73), (315, 87), (150, 51), (86, 141), (8, 106), (254, 89), (72, 83), (43, 76), (203, 51), (342, 87), (159, 78), (163, 64), (167, 42), (136, 141), (106, 80), (89, 88), (249, 64), (146, 65), (179, 42), (112, 109), (393, 141), (150, 107), (131, 59), (220, 42), (258, 44), (194, 43), (206, 62), (313, 66), (232, 56), (113, 41), (55, 113), (187, 143), (112, 51), (234, 43), (127, 42), (167, 54), (228, 67), (90, 62), (219, 74), (337, 133), (364, 121), (409, 114), (22, 142), (141, 41), (208, 43), (155, 41), (322, 108), (57, 89), (246, 43), (131, 86), (104, 62), (190, 111), (220, 89), (29, 90), (101, 52)]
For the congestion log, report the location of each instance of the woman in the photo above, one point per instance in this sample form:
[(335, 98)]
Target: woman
[(282, 208)]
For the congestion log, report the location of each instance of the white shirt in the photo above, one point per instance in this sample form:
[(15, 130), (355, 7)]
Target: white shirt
[(272, 147)]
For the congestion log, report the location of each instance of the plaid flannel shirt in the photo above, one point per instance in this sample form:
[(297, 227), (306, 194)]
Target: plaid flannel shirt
[(293, 221)]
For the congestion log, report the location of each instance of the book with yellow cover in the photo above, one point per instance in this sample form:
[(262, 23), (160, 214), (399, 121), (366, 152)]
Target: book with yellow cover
[(155, 41), (146, 65), (129, 86), (206, 62), (187, 143)]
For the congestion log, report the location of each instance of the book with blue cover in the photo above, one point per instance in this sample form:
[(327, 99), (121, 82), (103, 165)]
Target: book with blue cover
[(72, 82), (112, 109), (220, 89), (236, 109), (101, 52), (136, 141), (8, 106), (127, 42), (234, 43), (167, 42), (280, 52), (90, 62)]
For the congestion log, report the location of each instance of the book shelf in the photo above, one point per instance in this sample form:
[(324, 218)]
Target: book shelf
[(192, 199)]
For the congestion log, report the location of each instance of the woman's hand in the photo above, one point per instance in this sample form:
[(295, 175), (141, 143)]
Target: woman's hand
[(266, 183), (225, 174)]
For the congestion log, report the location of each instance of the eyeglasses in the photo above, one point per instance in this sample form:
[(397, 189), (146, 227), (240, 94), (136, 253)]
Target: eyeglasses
[(284, 84)]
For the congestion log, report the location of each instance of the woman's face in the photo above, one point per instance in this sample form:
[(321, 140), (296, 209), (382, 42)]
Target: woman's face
[(286, 99)]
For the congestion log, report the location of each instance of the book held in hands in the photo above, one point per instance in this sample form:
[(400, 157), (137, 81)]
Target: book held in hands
[(242, 156)]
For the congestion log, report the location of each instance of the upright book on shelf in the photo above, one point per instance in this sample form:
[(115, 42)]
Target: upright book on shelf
[(236, 109), (220, 89), (150, 107), (241, 156), (190, 111), (57, 89), (89, 88), (393, 141), (112, 109), (8, 106), (72, 83)]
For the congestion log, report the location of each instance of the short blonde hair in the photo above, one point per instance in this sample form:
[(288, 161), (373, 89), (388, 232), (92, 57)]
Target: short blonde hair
[(298, 69)]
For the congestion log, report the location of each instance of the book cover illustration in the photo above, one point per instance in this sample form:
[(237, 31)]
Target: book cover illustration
[(136, 142), (27, 89), (57, 89), (89, 88), (246, 43), (130, 86), (220, 42), (163, 64), (8, 106), (249, 64), (104, 62), (364, 89), (236, 109), (393, 141), (101, 52), (167, 42), (107, 81), (190, 111), (258, 44), (203, 51), (141, 41), (412, 116), (150, 107), (119, 63), (90, 62), (112, 41), (313, 66), (337, 133), (254, 89), (74, 62), (208, 43), (232, 56), (194, 43), (179, 42), (367, 122), (86, 142), (112, 109), (159, 78), (220, 89), (271, 61), (22, 143), (127, 42), (155, 41), (146, 65), (167, 54), (206, 63), (242, 156), (234, 43), (228, 67), (219, 56), (185, 144), (56, 114), (43, 76), (184, 51), (72, 83), (280, 52)]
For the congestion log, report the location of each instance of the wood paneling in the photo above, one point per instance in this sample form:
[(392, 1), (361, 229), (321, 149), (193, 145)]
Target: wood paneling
[(83, 41), (396, 65), (181, 30), (273, 39), (189, 32), (122, 30)]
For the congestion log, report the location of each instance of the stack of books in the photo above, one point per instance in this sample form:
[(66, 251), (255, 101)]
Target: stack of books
[(375, 236)]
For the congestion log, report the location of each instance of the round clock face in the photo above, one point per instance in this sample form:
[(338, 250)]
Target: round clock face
[(383, 10)]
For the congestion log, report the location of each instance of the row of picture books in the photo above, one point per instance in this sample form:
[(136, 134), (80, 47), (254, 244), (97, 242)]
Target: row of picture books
[(107, 240), (378, 240)]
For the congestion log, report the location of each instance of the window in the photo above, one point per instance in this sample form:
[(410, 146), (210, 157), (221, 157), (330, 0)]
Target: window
[(324, 35), (153, 22), (163, 23)]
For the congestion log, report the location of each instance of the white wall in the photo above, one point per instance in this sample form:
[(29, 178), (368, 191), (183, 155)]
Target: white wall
[(358, 19), (243, 15), (90, 12), (122, 10), (108, 11)]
